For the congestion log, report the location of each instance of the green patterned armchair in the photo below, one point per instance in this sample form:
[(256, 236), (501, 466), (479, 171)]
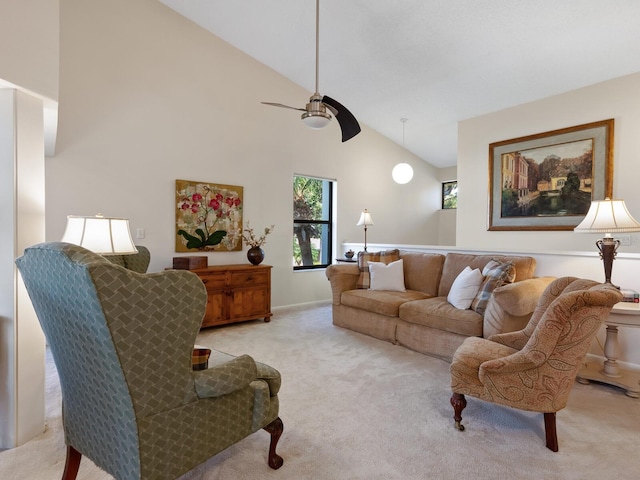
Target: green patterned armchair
[(535, 368), (138, 262), (122, 343)]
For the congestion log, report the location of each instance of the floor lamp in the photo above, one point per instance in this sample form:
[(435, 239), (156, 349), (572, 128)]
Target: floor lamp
[(608, 216), (365, 219)]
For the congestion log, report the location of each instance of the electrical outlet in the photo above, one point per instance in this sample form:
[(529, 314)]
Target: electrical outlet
[(625, 240)]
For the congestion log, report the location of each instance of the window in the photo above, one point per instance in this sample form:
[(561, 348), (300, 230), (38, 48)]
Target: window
[(312, 222), (450, 194)]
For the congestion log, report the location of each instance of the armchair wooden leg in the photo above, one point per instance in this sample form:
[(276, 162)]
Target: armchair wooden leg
[(458, 402), (72, 464), (275, 428), (550, 431)]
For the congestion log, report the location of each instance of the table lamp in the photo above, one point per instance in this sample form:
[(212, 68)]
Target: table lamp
[(608, 216), (365, 219), (101, 235)]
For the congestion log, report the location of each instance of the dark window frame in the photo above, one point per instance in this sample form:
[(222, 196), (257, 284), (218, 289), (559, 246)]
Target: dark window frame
[(328, 243)]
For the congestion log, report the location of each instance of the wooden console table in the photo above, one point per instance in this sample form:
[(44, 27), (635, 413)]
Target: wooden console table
[(236, 293), (609, 372)]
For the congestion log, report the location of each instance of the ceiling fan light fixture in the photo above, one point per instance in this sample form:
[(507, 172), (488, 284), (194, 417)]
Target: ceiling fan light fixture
[(316, 120), (316, 116)]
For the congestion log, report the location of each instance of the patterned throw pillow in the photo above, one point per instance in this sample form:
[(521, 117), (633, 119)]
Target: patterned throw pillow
[(495, 274), (386, 257)]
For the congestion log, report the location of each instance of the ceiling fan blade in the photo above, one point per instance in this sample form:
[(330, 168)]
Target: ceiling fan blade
[(283, 106), (348, 123)]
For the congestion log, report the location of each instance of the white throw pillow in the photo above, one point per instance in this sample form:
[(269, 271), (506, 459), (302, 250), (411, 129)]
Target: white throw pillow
[(387, 276), (465, 287)]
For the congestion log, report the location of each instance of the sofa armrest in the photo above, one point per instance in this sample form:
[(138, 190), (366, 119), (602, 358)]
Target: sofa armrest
[(520, 298), (515, 363), (342, 279), (516, 340), (510, 306), (225, 378)]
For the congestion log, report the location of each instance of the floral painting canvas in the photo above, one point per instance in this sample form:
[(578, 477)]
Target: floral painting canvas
[(208, 217)]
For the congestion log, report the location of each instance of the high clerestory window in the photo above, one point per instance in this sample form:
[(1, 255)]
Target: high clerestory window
[(312, 222), (450, 194)]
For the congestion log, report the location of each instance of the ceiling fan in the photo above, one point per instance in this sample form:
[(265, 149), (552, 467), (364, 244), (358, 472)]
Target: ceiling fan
[(315, 113)]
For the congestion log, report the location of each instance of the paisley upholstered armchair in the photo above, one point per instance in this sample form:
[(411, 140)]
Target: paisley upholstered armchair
[(534, 369), (122, 343)]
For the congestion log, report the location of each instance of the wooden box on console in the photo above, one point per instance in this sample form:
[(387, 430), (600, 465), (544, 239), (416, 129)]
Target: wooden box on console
[(190, 263)]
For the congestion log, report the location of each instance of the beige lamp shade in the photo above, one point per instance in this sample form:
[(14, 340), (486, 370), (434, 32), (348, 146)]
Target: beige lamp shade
[(101, 235), (365, 218), (608, 216)]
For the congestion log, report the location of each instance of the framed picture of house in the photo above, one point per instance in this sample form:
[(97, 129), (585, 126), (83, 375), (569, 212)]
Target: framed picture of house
[(208, 217), (547, 181)]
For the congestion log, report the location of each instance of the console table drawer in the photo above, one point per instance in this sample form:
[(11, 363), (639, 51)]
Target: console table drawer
[(213, 281), (244, 278)]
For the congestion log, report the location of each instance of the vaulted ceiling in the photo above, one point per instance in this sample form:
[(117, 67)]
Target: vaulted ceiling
[(434, 62)]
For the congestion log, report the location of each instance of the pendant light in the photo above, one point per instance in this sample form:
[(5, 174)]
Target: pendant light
[(402, 173)]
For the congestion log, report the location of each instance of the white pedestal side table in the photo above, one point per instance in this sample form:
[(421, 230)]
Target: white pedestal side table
[(609, 372)]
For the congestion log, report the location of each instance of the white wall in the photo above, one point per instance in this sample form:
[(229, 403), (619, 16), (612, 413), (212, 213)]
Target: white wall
[(29, 46), (618, 99), (22, 219), (147, 97), (29, 53)]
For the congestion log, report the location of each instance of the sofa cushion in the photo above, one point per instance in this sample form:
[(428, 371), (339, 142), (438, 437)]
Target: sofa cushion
[(454, 263), (437, 313), (465, 287), (422, 271), (386, 256), (383, 302), (387, 276), (496, 274)]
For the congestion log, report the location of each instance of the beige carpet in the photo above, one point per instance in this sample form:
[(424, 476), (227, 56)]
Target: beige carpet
[(357, 408)]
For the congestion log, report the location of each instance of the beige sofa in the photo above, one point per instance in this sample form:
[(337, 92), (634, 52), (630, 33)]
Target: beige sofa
[(421, 318)]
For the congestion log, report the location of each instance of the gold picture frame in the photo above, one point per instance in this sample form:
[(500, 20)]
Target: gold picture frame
[(547, 181)]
